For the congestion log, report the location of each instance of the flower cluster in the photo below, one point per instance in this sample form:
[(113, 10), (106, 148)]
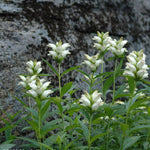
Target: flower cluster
[(102, 41), (94, 100), (32, 83), (59, 51), (26, 80), (39, 88), (34, 67), (136, 66), (117, 47), (92, 61)]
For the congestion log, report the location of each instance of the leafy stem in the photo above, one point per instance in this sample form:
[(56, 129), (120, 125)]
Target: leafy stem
[(102, 71), (107, 136), (59, 79), (114, 79), (89, 138)]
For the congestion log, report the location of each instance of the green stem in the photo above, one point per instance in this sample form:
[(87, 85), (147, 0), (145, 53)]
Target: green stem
[(59, 79), (114, 79), (102, 71), (107, 136), (89, 139), (39, 123), (91, 82), (147, 139)]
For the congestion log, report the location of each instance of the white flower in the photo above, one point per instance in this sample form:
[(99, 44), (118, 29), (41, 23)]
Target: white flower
[(94, 100), (136, 66), (59, 50), (85, 100), (46, 93), (92, 61), (34, 67), (33, 93), (39, 88), (117, 47), (26, 80), (102, 41)]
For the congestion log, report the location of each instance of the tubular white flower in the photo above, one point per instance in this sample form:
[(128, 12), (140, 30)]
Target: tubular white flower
[(53, 46), (30, 64), (92, 61), (136, 67), (94, 100), (23, 84), (33, 93), (59, 51), (30, 70), (40, 88), (66, 45), (98, 39), (33, 85), (131, 59), (45, 85), (128, 73), (131, 67), (46, 93), (117, 47), (26, 80), (23, 78), (34, 67), (84, 100), (102, 41)]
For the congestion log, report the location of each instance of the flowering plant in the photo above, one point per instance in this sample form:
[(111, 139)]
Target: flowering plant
[(109, 117)]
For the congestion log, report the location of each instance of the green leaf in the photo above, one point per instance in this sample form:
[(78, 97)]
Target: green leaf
[(139, 127), (33, 112), (108, 111), (107, 84), (82, 72), (132, 85), (138, 103), (66, 88), (46, 146), (124, 127), (120, 90), (70, 69), (46, 75), (45, 108), (146, 82), (6, 146), (122, 95), (50, 66), (81, 148), (111, 58), (97, 136), (67, 146), (129, 141), (119, 67), (56, 100), (85, 130), (130, 103), (34, 142), (51, 124), (106, 74), (6, 128), (23, 103), (33, 124)]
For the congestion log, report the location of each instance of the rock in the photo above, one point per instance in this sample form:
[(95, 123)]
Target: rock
[(27, 26)]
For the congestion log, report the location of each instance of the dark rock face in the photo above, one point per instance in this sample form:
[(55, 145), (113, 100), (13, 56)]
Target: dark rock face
[(27, 26)]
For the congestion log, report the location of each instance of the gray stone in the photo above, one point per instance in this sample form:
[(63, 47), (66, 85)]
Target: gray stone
[(27, 26)]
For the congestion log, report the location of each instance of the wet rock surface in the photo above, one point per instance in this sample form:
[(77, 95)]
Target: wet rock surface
[(27, 26)]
